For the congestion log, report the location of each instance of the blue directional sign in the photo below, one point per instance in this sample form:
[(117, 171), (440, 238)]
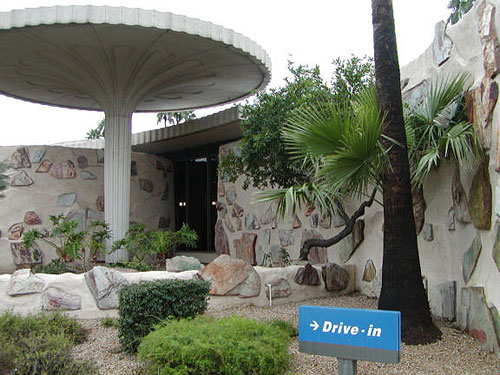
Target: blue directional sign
[(356, 334)]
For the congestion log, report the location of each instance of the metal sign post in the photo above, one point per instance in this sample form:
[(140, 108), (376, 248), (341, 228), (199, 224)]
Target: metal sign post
[(350, 335)]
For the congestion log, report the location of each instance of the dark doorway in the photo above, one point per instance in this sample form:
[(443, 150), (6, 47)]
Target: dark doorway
[(195, 180)]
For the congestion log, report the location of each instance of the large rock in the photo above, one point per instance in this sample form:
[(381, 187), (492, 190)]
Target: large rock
[(66, 200), (64, 170), (25, 257), (104, 284), (307, 275), (471, 257), (349, 244), (442, 44), (489, 39), (286, 237), (80, 216), (244, 248), (221, 241), (15, 231), (446, 295), (21, 178), (87, 175), (480, 197), (370, 271), (280, 288), (38, 154), (459, 198), (416, 94), (269, 215), (44, 166), (335, 277), (237, 210), (20, 158), (231, 195), (24, 282), (224, 274), (251, 287), (183, 263), (317, 255), (251, 222), (32, 218), (57, 299)]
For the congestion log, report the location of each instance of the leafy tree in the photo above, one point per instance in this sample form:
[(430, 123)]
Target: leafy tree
[(458, 9), (261, 155), (98, 132), (174, 118)]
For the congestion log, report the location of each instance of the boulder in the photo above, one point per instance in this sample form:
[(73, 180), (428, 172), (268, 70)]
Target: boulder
[(224, 273), (471, 257), (104, 284), (64, 170), (20, 158), (442, 44), (221, 241), (317, 255), (280, 288), (335, 277), (480, 197), (244, 248), (251, 287), (55, 299), (307, 275), (183, 263), (459, 198), (21, 178), (24, 257), (24, 282)]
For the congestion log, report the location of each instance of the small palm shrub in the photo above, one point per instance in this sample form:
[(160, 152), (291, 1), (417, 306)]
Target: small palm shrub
[(143, 305), (41, 344), (205, 346)]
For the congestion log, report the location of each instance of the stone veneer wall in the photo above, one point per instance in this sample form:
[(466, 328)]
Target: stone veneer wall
[(50, 180), (457, 215)]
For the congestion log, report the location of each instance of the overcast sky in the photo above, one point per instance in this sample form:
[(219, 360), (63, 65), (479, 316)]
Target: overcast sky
[(307, 32)]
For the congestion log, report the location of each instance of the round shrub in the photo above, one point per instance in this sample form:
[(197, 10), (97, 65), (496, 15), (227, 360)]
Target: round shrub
[(206, 346)]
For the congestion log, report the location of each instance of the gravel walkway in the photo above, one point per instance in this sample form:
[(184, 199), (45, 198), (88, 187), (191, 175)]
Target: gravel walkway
[(456, 354)]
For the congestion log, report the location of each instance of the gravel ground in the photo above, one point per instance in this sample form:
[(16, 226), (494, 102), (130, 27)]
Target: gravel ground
[(456, 354)]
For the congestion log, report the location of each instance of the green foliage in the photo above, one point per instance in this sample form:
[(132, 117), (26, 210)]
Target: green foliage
[(97, 235), (142, 267), (143, 305), (98, 132), (205, 346), (41, 344), (174, 118), (108, 322), (4, 179), (142, 243), (458, 9), (55, 267), (261, 155)]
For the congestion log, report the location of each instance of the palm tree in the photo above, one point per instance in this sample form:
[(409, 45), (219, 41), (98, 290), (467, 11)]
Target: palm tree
[(174, 118)]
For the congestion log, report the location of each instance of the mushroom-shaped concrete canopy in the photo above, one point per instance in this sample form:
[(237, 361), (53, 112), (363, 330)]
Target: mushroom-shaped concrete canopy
[(120, 61)]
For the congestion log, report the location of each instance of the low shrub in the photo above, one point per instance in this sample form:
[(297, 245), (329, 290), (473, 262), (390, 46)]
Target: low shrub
[(205, 346), (41, 344), (108, 322), (143, 305)]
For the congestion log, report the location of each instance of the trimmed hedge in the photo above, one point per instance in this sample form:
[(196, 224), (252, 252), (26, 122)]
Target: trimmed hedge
[(145, 304), (229, 346)]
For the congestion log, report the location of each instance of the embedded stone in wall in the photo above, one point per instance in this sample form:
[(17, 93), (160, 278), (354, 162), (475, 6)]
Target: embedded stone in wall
[(317, 255), (21, 178), (32, 218), (335, 277), (66, 200), (64, 170), (238, 223), (224, 274), (349, 244), (269, 215), (274, 222), (489, 39), (44, 166), (229, 224), (221, 190), (313, 221), (418, 208), (280, 288), (448, 295), (146, 185), (38, 154), (80, 217), (450, 219), (337, 219), (237, 210), (296, 223), (160, 167), (104, 283), (163, 222), (416, 94), (16, 231), (86, 175), (231, 195), (100, 156), (286, 237), (471, 257), (307, 275), (459, 198), (82, 162), (442, 44), (325, 221), (20, 158), (244, 248), (133, 168), (183, 263), (370, 271), (23, 257), (93, 215), (428, 232), (24, 282), (56, 299), (309, 210), (221, 241), (164, 195), (99, 203), (221, 209), (266, 237), (251, 222), (496, 249), (480, 198)]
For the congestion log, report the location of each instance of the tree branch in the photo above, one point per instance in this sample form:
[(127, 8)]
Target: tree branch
[(349, 225)]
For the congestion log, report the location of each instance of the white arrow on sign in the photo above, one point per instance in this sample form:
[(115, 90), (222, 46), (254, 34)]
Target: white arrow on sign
[(314, 325)]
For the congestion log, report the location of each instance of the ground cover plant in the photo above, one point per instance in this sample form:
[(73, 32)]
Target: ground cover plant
[(40, 344), (205, 346), (143, 305)]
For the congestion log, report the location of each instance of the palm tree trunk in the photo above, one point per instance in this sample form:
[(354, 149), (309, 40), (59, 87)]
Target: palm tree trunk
[(402, 287)]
